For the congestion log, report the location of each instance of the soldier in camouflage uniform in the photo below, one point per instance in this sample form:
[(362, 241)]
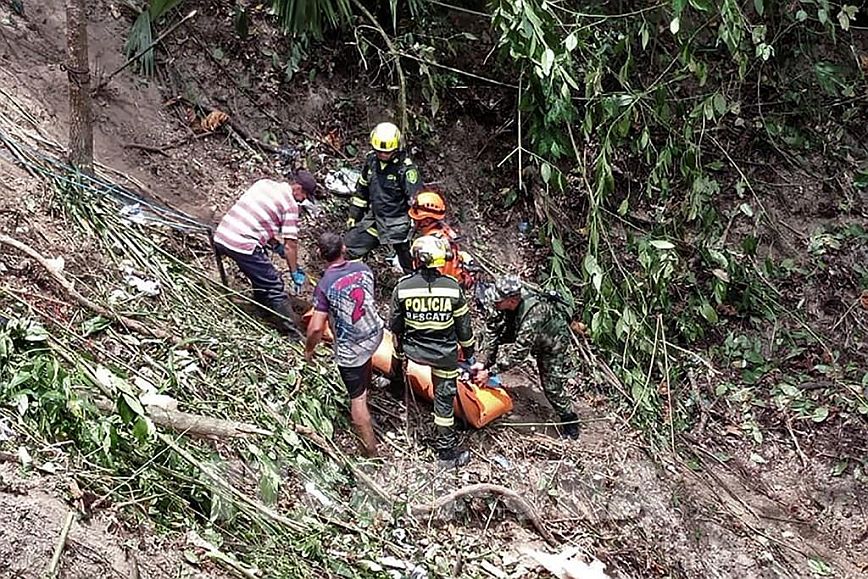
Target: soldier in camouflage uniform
[(537, 326)]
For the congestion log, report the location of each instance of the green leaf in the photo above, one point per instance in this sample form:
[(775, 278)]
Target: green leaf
[(571, 42), (35, 333), (708, 312), (662, 244), (548, 59), (760, 7), (644, 139), (822, 16), (142, 429), (675, 25), (820, 414), (643, 35), (546, 172), (720, 104), (590, 264), (819, 567), (95, 325), (844, 20), (623, 207), (701, 5), (746, 209), (558, 247), (801, 15)]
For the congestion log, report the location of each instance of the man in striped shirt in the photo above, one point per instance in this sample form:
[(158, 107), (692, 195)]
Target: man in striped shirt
[(266, 212)]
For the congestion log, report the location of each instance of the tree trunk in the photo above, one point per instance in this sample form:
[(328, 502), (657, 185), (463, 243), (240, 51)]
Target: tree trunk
[(78, 71)]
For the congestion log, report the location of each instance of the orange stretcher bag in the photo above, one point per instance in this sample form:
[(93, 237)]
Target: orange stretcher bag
[(477, 406)]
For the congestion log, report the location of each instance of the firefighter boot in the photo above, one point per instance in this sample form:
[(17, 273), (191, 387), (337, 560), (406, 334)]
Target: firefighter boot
[(449, 454)]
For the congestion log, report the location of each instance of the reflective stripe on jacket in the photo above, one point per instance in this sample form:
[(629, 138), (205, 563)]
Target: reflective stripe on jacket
[(431, 319)]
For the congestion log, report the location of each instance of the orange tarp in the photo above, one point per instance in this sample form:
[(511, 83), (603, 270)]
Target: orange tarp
[(478, 406)]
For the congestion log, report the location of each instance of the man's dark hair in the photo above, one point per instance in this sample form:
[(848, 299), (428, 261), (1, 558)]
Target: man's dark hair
[(331, 245)]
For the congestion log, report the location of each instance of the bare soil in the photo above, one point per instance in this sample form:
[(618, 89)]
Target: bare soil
[(31, 519), (718, 513)]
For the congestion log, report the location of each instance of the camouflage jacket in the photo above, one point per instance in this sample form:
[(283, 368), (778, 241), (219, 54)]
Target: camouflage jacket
[(537, 326)]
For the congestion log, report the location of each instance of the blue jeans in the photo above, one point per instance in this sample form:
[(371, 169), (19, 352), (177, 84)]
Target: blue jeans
[(268, 288)]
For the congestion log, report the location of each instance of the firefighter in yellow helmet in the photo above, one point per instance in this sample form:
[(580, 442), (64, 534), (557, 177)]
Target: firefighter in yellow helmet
[(430, 323), (428, 213), (386, 189)]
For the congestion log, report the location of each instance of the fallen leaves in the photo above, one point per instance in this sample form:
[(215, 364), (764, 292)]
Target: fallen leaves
[(334, 140), (579, 328), (864, 299), (214, 120)]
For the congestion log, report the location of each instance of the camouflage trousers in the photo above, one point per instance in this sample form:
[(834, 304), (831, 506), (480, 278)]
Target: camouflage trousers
[(554, 369)]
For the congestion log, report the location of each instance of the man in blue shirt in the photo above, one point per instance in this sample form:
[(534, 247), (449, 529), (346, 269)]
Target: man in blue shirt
[(344, 299)]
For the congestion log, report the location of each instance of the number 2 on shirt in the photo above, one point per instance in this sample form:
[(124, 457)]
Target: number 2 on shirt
[(357, 294)]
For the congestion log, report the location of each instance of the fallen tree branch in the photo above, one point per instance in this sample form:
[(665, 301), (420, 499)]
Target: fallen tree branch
[(61, 543), (89, 304), (231, 122), (488, 489), (193, 424)]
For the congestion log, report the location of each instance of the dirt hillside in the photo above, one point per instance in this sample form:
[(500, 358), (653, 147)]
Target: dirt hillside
[(731, 509)]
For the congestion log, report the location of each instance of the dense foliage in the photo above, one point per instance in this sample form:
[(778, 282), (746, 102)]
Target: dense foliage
[(635, 117)]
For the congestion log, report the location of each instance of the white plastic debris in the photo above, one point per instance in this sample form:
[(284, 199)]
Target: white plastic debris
[(395, 564), (144, 286), (342, 182), (317, 494), (568, 564), (501, 461), (6, 433), (56, 264), (395, 263), (24, 456), (133, 213), (311, 207)]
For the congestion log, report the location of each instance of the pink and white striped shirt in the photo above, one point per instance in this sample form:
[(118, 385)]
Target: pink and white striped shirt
[(264, 212)]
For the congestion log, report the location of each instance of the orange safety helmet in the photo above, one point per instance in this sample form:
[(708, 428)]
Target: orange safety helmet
[(428, 204)]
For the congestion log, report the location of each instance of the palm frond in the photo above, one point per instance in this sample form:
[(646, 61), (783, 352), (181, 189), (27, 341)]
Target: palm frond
[(311, 17), (142, 33)]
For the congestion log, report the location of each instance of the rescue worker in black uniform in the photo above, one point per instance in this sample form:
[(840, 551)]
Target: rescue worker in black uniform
[(386, 189), (430, 321)]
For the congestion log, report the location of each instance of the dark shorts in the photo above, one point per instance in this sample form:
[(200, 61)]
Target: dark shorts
[(357, 379)]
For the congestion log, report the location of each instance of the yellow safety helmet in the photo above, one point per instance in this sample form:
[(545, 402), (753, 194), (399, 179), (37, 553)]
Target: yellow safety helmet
[(431, 252), (386, 137)]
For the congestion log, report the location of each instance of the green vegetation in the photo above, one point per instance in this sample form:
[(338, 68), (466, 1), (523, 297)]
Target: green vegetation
[(77, 382), (634, 118)]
